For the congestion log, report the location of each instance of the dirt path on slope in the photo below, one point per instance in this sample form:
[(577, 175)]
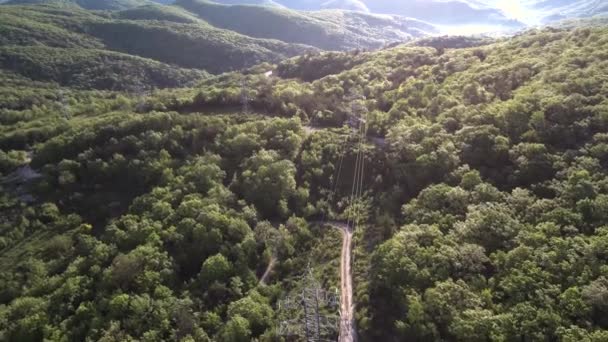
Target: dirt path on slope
[(347, 307), (264, 278), (347, 319)]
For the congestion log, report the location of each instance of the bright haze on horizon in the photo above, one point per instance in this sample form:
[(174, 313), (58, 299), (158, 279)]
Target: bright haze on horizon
[(461, 16), (515, 9), (534, 12), (521, 11), (527, 12)]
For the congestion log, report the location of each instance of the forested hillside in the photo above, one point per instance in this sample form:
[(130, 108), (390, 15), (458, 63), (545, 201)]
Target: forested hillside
[(88, 4), (155, 45), (327, 30), (512, 14), (132, 216), (155, 37)]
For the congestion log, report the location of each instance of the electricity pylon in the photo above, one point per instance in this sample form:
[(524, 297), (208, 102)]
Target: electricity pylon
[(307, 306), (356, 101), (244, 97), (65, 107)]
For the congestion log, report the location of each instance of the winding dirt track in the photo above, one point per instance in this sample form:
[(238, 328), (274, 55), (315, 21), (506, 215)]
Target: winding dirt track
[(347, 331), (347, 319), (347, 307), (269, 269)]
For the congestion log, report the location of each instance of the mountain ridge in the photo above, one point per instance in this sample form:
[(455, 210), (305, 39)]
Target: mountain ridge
[(87, 4), (310, 28), (169, 40), (509, 15), (480, 209)]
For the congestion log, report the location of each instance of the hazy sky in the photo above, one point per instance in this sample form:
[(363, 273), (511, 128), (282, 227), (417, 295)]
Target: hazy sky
[(518, 9), (513, 8)]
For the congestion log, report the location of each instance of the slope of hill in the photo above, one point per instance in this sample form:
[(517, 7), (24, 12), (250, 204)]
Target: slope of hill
[(87, 4), (350, 5), (333, 30), (249, 2), (41, 25), (535, 12), (50, 44), (483, 13), (93, 69), (483, 212), (440, 12), (202, 35), (192, 46), (164, 34), (452, 12), (552, 10), (158, 12), (443, 12)]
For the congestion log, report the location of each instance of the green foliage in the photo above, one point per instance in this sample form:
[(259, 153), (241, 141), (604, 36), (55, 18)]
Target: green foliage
[(11, 160), (192, 45), (255, 310), (268, 182), (313, 67), (88, 4), (327, 30), (93, 69), (153, 217), (215, 268), (86, 44), (158, 12), (237, 329)]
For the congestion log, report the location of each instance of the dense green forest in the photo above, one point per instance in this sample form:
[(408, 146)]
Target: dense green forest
[(327, 30), (135, 213), (88, 4), (165, 48), (158, 45)]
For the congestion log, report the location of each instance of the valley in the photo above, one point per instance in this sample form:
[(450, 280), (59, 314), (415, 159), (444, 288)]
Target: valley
[(180, 173)]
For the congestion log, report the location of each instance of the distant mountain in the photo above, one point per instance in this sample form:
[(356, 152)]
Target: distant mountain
[(552, 10), (191, 45), (483, 13), (309, 5), (248, 2), (166, 46), (95, 4), (158, 12), (327, 30), (452, 12), (445, 12), (87, 4), (351, 5), (500, 14), (93, 69), (305, 5), (152, 44), (534, 12)]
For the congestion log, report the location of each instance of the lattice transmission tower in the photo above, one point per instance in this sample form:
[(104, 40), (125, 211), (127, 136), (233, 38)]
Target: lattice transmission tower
[(245, 97), (313, 310), (64, 105)]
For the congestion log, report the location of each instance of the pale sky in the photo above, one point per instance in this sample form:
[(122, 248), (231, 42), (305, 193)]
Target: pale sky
[(512, 8), (516, 9)]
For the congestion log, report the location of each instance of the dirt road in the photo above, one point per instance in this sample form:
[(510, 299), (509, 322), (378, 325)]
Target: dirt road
[(269, 269), (347, 331), (347, 307), (347, 319)]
